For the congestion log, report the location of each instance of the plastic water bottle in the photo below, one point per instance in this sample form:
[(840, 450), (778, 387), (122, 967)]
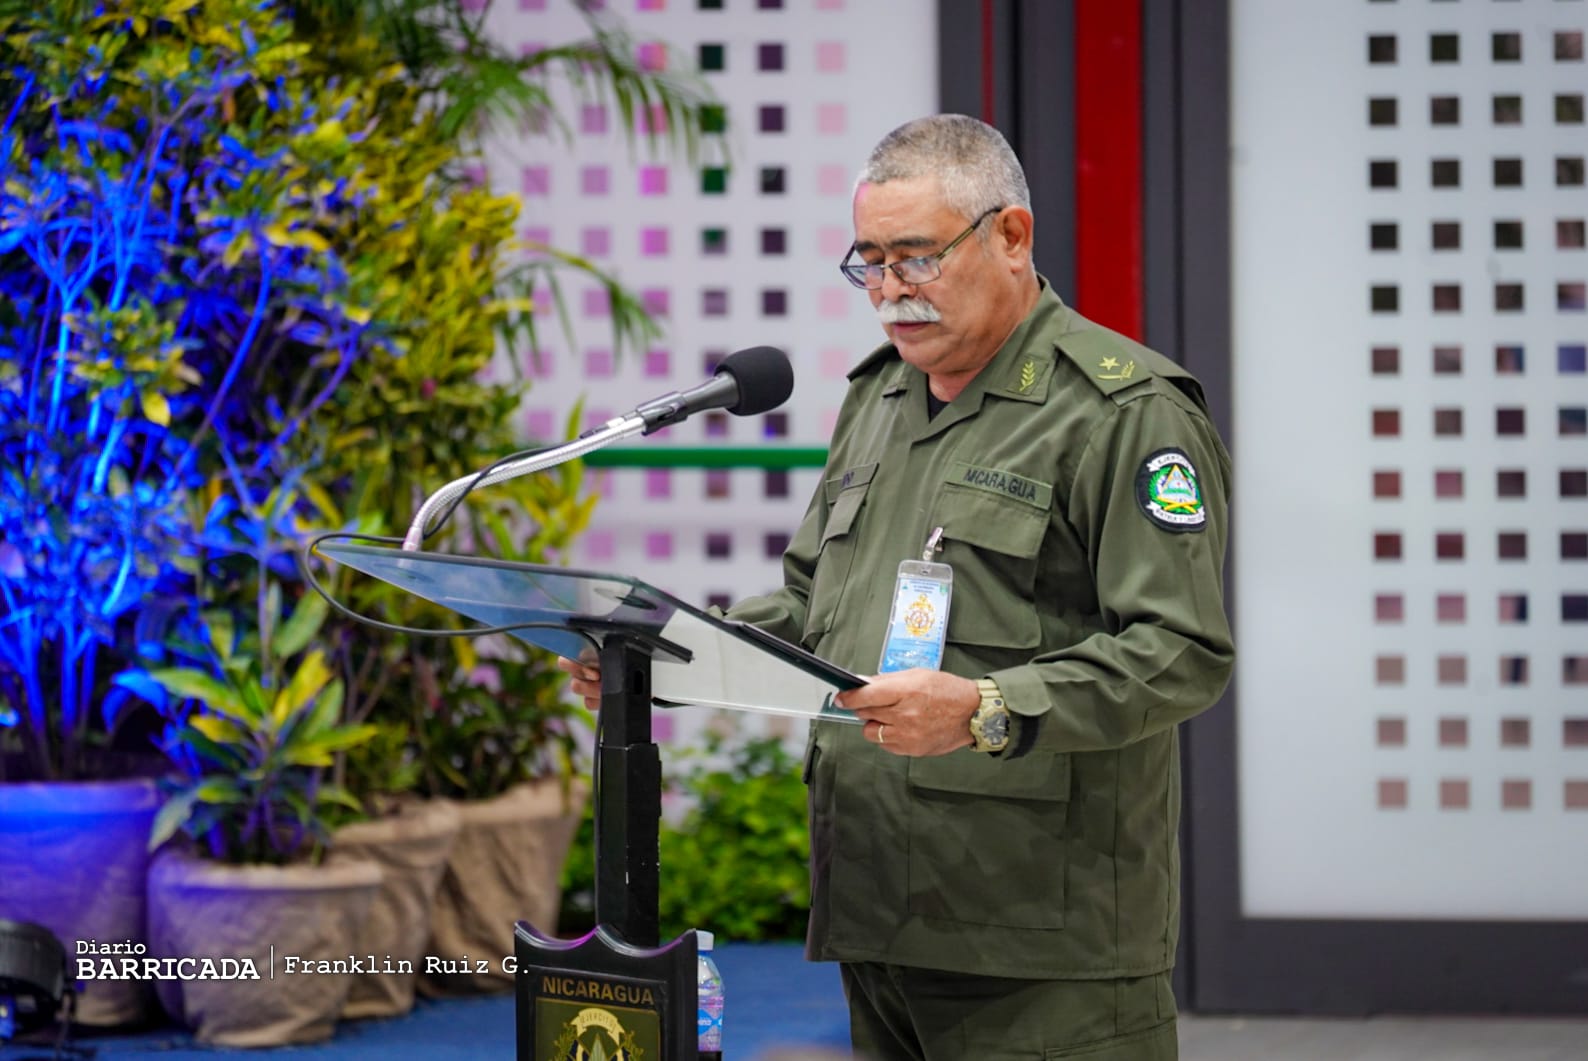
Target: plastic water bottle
[(708, 980)]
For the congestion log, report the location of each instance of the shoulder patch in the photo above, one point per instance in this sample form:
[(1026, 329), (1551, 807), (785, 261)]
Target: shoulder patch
[(1169, 493)]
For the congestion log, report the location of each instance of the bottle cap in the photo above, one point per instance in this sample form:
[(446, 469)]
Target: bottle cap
[(703, 940)]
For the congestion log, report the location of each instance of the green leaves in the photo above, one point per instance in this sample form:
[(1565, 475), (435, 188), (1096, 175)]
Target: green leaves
[(262, 727), (736, 862)]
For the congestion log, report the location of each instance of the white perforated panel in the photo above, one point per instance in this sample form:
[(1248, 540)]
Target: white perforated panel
[(1412, 473)]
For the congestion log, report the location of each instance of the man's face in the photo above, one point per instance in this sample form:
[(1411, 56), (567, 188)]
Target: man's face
[(907, 219)]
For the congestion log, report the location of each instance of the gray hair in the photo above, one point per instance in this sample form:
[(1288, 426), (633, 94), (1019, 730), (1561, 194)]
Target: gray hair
[(972, 161)]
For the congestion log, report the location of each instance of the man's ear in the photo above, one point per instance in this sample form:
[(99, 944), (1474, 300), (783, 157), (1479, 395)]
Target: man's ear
[(1016, 226)]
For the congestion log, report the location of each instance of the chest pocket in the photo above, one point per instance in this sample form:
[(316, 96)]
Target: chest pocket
[(845, 494), (994, 542)]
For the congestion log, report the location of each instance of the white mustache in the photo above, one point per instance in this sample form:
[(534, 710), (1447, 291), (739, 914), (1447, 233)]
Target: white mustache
[(907, 311)]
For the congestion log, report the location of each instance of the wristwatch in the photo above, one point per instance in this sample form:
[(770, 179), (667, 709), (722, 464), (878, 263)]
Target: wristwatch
[(989, 726)]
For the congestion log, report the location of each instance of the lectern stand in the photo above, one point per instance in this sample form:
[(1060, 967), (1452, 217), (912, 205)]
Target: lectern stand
[(616, 992)]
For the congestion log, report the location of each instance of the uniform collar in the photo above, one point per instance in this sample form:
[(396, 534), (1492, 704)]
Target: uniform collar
[(1019, 371)]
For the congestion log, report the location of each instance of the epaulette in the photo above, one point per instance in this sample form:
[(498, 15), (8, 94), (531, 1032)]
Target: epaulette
[(1115, 362), (1110, 360)]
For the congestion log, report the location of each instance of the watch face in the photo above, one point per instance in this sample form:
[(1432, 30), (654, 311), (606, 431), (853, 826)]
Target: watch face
[(995, 729), (991, 729)]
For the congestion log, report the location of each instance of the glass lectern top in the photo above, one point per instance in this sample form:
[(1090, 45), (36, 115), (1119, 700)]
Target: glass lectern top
[(697, 658)]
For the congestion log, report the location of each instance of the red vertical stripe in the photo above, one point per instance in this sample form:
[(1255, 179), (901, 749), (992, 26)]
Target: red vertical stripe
[(1108, 163)]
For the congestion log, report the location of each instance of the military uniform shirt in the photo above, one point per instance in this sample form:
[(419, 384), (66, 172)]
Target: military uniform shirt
[(1081, 489)]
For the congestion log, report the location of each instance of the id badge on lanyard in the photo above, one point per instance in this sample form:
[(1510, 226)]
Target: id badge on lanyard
[(918, 622)]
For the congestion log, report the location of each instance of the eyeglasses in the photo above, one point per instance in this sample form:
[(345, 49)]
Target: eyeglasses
[(912, 271)]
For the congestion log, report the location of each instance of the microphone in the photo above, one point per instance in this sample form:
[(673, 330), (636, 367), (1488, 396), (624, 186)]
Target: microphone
[(747, 382)]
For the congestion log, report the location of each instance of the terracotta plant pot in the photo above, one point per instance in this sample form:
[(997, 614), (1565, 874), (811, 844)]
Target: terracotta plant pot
[(411, 847), (506, 866), (282, 922), (74, 859)]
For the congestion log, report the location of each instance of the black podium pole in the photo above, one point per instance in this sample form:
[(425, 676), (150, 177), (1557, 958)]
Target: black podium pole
[(628, 796), (615, 985)]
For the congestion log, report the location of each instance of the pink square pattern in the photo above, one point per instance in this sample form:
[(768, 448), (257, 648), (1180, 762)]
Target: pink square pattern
[(834, 241), (659, 545), (599, 545), (835, 362), (832, 119), (593, 118), (537, 180), (832, 180), (598, 364), (661, 728), (830, 58), (541, 364), (540, 423), (835, 301), (653, 242), (596, 303), (658, 483), (653, 180), (594, 180), (658, 363), (652, 55)]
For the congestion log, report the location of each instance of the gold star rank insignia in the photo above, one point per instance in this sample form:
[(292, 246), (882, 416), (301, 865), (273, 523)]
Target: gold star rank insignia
[(1111, 369)]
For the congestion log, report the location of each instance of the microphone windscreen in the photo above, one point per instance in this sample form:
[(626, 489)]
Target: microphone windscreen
[(764, 377)]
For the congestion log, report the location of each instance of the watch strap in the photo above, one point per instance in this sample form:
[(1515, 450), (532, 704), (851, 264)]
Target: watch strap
[(992, 705)]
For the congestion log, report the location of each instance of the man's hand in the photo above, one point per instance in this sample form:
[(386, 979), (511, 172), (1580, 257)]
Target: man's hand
[(915, 712), (586, 681)]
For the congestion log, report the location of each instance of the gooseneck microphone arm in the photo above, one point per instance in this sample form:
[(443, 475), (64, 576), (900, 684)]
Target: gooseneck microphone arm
[(611, 431), (748, 382)]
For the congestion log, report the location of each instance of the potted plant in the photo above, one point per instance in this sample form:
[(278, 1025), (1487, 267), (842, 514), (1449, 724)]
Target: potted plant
[(481, 729), (255, 727), (482, 726), (222, 223), (143, 295)]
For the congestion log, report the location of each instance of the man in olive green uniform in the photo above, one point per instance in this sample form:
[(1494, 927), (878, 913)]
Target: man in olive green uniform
[(994, 855)]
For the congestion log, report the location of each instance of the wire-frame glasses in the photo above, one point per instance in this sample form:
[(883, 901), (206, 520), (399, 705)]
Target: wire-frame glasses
[(913, 271)]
